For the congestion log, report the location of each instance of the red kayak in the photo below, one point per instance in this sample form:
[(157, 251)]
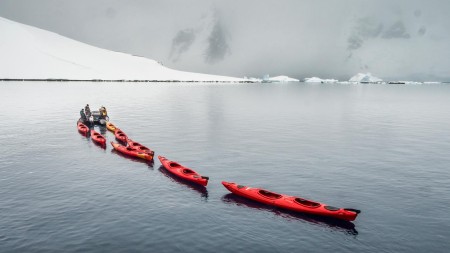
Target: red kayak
[(183, 172), (131, 152), (291, 202), (120, 135), (98, 138), (82, 128), (140, 147)]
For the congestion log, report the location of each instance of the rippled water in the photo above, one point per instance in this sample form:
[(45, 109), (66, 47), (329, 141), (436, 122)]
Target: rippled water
[(379, 148)]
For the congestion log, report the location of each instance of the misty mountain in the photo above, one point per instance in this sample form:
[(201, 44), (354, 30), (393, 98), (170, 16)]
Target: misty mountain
[(394, 40), (30, 53)]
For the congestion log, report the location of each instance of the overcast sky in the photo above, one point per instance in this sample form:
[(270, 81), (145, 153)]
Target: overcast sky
[(392, 39)]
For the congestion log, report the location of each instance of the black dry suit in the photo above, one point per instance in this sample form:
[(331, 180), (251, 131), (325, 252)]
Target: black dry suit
[(87, 110), (83, 116)]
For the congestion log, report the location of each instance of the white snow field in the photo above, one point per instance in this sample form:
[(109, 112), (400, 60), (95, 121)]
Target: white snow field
[(28, 52)]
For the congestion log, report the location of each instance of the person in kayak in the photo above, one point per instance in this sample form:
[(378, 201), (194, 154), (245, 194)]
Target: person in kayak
[(87, 110)]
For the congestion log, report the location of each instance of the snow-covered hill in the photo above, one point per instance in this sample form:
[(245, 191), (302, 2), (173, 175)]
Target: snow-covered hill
[(30, 53)]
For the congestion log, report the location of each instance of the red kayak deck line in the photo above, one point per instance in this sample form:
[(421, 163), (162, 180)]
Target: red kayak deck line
[(120, 135), (82, 128), (139, 147), (131, 152), (292, 203), (183, 172), (98, 138)]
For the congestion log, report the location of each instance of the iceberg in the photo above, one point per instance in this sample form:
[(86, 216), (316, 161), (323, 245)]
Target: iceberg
[(282, 79), (253, 79), (319, 80), (365, 78), (413, 82), (30, 53), (405, 82)]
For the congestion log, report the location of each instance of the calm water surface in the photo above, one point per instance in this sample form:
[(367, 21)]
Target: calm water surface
[(379, 148)]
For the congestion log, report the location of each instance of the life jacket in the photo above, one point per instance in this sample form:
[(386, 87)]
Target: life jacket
[(103, 111)]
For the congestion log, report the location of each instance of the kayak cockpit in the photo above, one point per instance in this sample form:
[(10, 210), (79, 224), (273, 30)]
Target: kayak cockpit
[(270, 195), (188, 171), (98, 135), (174, 165), (331, 208), (306, 202)]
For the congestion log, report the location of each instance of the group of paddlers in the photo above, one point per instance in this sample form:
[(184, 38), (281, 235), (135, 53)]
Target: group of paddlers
[(86, 113)]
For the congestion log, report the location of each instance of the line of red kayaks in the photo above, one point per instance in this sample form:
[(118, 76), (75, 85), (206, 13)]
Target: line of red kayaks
[(134, 149), (130, 147)]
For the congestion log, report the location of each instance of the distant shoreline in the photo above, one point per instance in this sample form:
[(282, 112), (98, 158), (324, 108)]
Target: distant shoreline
[(113, 81), (180, 81)]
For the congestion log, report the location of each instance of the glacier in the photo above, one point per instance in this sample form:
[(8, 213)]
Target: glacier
[(31, 53)]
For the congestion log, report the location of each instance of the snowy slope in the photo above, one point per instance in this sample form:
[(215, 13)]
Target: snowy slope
[(30, 53)]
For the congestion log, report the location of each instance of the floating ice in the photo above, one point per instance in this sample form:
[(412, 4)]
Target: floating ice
[(365, 78), (283, 79), (319, 80)]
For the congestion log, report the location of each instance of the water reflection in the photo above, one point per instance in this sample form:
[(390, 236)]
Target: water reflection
[(198, 188), (103, 146), (339, 225), (102, 129)]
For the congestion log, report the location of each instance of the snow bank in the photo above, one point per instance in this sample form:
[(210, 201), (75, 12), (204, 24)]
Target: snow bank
[(365, 78), (319, 80), (27, 52)]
